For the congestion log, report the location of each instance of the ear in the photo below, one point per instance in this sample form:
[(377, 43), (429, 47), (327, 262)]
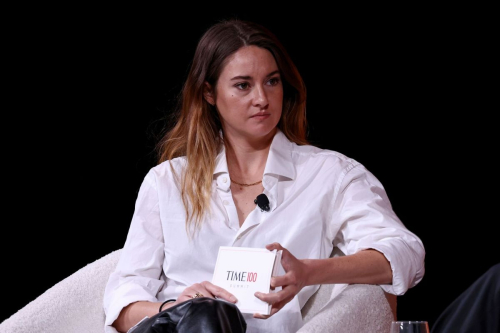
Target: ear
[(208, 93)]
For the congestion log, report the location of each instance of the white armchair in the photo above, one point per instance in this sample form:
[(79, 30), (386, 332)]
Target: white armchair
[(74, 305)]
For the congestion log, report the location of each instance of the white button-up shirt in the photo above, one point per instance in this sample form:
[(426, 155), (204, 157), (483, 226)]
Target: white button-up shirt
[(318, 199)]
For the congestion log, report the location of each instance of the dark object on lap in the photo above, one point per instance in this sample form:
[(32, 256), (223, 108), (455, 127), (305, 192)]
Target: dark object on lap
[(204, 315)]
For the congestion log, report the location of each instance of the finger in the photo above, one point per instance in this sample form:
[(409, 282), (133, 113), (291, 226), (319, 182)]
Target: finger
[(186, 295), (204, 292), (273, 311), (219, 292), (288, 260), (260, 316), (183, 298), (282, 280), (198, 288), (274, 246), (275, 297), (286, 257)]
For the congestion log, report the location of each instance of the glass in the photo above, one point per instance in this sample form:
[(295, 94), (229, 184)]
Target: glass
[(409, 327)]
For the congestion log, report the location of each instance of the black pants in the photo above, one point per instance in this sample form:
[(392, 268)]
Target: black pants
[(477, 309)]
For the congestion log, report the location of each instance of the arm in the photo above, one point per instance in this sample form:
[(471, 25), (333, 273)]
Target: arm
[(379, 248), (364, 267), (136, 279), (134, 312), (363, 218), (131, 291)]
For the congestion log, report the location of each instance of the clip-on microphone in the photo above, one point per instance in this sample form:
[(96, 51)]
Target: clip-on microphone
[(263, 202)]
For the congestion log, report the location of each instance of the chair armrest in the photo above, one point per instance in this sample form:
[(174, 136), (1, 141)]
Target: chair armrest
[(358, 308), (73, 305)]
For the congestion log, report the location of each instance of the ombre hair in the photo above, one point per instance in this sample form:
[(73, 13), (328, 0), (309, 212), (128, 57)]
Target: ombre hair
[(196, 131)]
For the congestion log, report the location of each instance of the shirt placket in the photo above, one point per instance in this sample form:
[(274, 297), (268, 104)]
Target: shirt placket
[(257, 216), (224, 192)]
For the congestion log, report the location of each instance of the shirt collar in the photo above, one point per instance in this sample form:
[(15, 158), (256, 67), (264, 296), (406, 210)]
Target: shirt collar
[(279, 161)]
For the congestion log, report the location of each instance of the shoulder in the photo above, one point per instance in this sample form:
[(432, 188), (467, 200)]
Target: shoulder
[(310, 155), (167, 169)]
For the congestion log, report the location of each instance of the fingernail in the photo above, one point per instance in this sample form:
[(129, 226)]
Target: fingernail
[(233, 299), (257, 294)]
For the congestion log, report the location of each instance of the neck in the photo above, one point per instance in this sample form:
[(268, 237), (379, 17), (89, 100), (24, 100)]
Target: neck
[(246, 161)]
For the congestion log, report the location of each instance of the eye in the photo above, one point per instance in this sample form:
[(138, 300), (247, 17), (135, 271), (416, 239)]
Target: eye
[(242, 85), (274, 81)]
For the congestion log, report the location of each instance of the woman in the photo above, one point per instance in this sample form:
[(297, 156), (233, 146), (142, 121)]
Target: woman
[(241, 132)]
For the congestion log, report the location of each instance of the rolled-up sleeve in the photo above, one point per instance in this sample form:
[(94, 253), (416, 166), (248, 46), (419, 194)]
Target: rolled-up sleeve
[(137, 276), (367, 221)]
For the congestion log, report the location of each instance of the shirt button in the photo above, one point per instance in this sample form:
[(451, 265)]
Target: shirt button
[(224, 180), (225, 202)]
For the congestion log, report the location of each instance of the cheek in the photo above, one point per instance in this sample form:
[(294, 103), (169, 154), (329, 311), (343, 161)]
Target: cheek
[(229, 99), (278, 96), (277, 100), (231, 106)]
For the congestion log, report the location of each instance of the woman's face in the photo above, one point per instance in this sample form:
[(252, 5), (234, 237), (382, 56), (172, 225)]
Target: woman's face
[(249, 94)]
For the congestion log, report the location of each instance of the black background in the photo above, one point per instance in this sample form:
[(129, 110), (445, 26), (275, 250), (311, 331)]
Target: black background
[(408, 92)]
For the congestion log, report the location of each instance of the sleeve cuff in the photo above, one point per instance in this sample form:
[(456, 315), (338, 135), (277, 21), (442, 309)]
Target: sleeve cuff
[(130, 293), (407, 270)]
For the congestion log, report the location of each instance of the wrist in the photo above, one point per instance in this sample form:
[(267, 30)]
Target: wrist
[(307, 267), (317, 270), (165, 305)]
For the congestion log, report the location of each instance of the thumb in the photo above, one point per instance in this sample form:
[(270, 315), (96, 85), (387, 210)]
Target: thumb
[(274, 246)]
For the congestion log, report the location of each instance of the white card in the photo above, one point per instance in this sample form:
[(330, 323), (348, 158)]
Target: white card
[(245, 270)]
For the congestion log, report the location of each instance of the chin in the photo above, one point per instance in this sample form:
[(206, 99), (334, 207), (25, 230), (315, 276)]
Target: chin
[(264, 131)]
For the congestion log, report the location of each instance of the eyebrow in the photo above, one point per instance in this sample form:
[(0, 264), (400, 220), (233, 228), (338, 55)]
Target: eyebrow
[(247, 77)]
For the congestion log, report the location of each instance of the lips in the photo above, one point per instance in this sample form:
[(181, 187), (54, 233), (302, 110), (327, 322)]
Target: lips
[(261, 115)]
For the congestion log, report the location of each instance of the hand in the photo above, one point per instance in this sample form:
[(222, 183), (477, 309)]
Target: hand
[(206, 289), (292, 282)]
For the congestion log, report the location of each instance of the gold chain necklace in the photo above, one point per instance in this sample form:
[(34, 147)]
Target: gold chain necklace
[(260, 181)]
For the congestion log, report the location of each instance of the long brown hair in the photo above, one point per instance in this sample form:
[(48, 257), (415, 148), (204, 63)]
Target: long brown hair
[(196, 133)]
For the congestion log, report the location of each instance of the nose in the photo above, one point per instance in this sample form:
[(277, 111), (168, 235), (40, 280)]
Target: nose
[(260, 97)]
